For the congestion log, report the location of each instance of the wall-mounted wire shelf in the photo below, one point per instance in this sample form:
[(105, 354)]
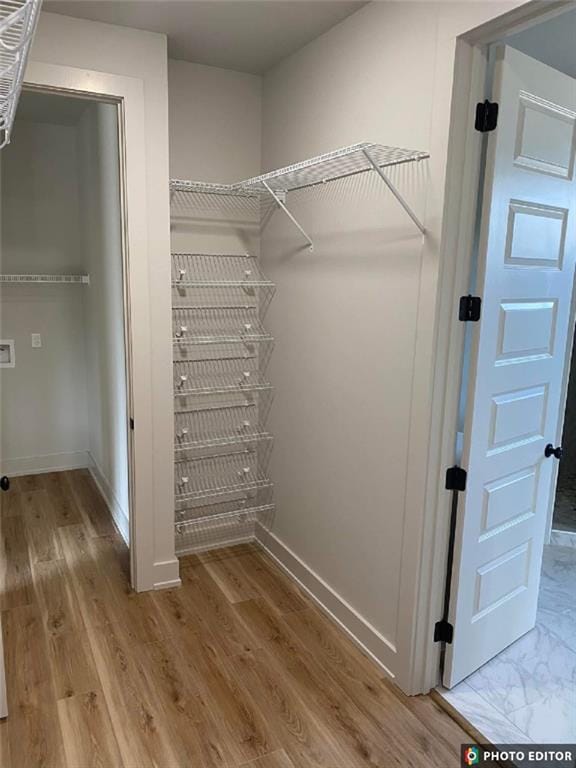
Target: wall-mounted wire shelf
[(18, 20), (339, 164), (216, 270), (217, 325), (46, 279), (212, 531), (214, 377), (219, 426), (253, 352), (222, 475)]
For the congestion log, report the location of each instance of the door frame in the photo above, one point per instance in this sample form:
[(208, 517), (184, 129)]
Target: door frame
[(462, 188), (128, 94)]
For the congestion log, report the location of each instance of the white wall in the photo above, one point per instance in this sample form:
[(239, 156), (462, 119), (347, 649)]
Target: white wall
[(104, 306), (137, 61), (215, 123), (354, 321), (43, 410)]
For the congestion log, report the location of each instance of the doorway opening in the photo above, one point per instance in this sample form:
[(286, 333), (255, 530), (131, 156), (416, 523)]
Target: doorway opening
[(65, 382), (514, 678)]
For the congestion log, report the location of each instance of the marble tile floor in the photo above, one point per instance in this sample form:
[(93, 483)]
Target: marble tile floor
[(528, 692)]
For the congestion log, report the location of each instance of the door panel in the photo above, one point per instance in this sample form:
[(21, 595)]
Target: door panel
[(519, 358)]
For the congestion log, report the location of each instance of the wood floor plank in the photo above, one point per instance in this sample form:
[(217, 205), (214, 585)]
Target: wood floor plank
[(358, 737), (5, 759), (89, 739), (137, 612), (90, 503), (236, 669), (64, 508), (90, 585), (17, 587), (217, 616), (225, 568), (246, 731), (10, 504), (136, 715), (42, 533), (269, 581), (295, 724), (25, 483), (368, 688), (177, 694), (177, 611), (276, 760), (68, 648), (34, 731)]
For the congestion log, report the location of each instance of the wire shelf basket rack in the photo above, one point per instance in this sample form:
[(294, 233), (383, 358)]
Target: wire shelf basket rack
[(18, 19), (222, 476), (216, 325), (341, 163), (218, 377), (222, 398), (222, 525), (219, 425)]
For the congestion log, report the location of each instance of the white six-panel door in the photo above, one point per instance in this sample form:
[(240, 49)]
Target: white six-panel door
[(517, 387)]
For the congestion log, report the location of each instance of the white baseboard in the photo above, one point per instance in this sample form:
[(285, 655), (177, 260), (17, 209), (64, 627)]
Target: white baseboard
[(167, 574), (372, 642), (117, 512), (51, 462)]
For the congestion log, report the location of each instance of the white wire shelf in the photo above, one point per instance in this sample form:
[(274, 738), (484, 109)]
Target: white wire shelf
[(218, 377), (18, 20), (216, 270), (217, 325), (212, 531), (219, 426), (339, 164), (46, 279), (253, 353), (221, 476)]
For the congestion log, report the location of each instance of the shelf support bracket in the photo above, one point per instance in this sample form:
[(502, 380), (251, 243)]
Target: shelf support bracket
[(394, 191), (280, 203)]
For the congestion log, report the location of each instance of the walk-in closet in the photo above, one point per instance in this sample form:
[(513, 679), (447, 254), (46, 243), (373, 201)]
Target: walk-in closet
[(62, 324), (221, 345)]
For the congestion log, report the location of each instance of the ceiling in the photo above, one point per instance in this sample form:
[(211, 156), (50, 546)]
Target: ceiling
[(553, 42), (243, 35)]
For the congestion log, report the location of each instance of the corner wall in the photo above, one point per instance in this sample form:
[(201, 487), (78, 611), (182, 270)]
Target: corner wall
[(355, 319), (107, 410), (141, 59), (43, 422)]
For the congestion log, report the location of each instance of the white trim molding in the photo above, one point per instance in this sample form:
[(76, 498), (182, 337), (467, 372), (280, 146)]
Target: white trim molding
[(422, 597), (50, 462), (151, 492), (367, 637), (119, 515)]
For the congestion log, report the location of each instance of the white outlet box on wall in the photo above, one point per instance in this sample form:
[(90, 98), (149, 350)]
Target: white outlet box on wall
[(7, 358)]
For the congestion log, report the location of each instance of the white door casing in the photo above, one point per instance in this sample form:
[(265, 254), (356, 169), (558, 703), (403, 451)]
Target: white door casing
[(519, 359)]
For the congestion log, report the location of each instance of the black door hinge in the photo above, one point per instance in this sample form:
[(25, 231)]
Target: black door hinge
[(443, 632), (131, 423), (486, 116), (456, 479), (469, 308)]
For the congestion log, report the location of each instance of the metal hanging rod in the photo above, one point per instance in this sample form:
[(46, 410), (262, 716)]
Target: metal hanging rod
[(339, 164), (18, 20), (46, 279)]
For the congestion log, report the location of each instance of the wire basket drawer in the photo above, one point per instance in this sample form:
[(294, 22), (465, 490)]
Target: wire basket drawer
[(222, 475), (217, 325), (216, 270), (215, 426)]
